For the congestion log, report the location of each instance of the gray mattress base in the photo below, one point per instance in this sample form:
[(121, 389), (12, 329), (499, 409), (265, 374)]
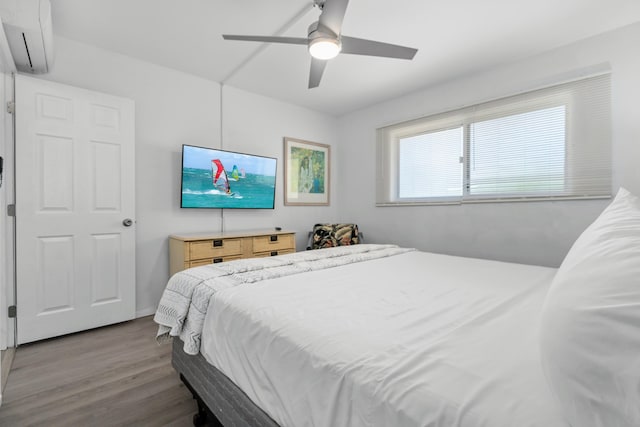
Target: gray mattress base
[(224, 399)]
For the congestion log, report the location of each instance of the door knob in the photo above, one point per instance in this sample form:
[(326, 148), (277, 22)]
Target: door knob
[(127, 222)]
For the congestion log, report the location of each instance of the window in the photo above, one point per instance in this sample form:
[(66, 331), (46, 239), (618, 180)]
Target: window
[(519, 154), (430, 165), (547, 144)]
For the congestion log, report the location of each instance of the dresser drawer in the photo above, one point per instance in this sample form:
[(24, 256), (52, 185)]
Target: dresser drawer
[(274, 242), (214, 248), (207, 261), (273, 253)]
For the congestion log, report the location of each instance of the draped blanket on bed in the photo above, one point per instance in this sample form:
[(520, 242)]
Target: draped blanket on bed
[(184, 303)]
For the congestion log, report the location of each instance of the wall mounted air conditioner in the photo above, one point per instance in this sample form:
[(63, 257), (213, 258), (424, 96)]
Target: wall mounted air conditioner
[(29, 34)]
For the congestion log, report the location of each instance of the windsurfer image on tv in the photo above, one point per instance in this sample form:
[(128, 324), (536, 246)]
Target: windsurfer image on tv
[(305, 177), (220, 178)]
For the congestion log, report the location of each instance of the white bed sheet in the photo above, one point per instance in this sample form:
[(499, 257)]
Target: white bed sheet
[(417, 339)]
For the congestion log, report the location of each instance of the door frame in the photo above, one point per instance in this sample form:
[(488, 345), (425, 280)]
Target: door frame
[(7, 224)]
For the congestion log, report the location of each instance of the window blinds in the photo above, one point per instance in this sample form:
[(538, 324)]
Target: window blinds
[(519, 154), (549, 143), (429, 165)]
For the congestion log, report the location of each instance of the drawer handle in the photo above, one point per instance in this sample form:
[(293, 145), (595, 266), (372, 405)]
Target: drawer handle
[(217, 260), (273, 238), (217, 243), (274, 253)]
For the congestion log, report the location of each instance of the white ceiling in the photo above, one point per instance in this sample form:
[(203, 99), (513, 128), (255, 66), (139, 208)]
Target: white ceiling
[(454, 38)]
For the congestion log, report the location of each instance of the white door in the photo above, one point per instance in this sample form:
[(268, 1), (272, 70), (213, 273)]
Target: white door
[(74, 198)]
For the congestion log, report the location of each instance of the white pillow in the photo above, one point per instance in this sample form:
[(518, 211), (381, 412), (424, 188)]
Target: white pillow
[(590, 330)]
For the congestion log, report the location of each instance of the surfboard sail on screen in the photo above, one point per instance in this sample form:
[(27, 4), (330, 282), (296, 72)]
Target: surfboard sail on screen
[(220, 178)]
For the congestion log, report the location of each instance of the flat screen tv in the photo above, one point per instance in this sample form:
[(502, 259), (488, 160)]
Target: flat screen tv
[(214, 178)]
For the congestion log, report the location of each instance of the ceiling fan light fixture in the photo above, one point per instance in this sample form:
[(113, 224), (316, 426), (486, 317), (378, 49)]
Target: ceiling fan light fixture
[(324, 48)]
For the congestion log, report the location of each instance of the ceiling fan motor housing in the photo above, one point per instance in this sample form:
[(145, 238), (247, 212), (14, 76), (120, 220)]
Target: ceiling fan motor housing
[(316, 30), (323, 43)]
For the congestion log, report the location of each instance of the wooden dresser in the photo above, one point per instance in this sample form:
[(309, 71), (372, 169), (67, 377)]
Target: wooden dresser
[(192, 250)]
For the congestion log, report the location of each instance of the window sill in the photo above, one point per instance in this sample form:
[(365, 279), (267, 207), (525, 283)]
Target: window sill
[(492, 200)]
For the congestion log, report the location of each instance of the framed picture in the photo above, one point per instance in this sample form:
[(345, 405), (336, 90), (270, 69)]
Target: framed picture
[(306, 173)]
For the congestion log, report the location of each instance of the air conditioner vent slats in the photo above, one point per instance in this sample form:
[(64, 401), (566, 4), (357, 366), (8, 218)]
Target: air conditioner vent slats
[(26, 46)]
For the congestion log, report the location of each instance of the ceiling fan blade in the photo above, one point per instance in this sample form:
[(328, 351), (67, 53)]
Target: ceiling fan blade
[(357, 46), (317, 68), (267, 39), (333, 14)]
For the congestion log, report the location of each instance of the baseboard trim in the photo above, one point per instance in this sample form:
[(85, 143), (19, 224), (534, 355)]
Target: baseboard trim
[(145, 312), (6, 361)]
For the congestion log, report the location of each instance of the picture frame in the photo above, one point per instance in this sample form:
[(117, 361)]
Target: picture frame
[(306, 173)]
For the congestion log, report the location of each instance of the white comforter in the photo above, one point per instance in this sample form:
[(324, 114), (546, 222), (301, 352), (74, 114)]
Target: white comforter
[(184, 303), (415, 339)]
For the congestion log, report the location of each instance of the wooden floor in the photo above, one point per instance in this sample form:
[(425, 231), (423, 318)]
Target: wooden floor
[(113, 376)]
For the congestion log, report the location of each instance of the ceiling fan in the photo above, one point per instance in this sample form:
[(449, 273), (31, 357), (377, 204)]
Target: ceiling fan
[(325, 40)]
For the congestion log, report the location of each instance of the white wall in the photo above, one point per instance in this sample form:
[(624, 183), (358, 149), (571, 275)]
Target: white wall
[(535, 232), (257, 124), (173, 108)]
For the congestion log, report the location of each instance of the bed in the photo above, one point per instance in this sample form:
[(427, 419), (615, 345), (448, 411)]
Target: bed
[(378, 335)]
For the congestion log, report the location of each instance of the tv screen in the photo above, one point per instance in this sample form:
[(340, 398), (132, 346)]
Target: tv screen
[(225, 179)]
